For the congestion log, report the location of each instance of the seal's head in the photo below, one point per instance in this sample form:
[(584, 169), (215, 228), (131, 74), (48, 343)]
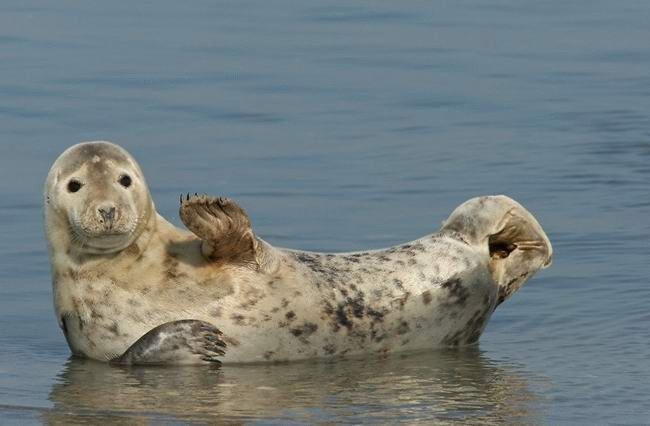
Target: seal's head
[(515, 241), (96, 199)]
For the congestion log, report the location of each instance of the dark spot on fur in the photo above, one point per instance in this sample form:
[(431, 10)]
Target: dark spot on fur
[(329, 349), (359, 334), (403, 328), (426, 297), (342, 317), (328, 309), (305, 258), (357, 305), (506, 290), (398, 283), (248, 304), (171, 267), (113, 328), (456, 289), (238, 319), (285, 303), (470, 331), (290, 315), (268, 354), (377, 336), (94, 314), (375, 315), (304, 331)]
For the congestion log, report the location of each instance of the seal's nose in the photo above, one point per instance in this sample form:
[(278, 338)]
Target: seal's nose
[(107, 213)]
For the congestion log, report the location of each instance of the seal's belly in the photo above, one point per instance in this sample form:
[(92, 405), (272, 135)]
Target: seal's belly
[(394, 300), (316, 305), (331, 305)]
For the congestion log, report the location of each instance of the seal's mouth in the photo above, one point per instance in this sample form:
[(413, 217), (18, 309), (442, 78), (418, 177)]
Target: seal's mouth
[(102, 239)]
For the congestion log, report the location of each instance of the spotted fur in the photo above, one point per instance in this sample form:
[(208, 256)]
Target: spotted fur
[(265, 303)]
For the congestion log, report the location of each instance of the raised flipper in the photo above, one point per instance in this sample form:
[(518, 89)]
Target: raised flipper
[(226, 233), (223, 227), (514, 240), (176, 342)]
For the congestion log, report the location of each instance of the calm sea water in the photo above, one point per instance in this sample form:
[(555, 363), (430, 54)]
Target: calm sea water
[(344, 125)]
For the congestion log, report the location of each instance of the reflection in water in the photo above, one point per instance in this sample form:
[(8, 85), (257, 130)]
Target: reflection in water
[(455, 385)]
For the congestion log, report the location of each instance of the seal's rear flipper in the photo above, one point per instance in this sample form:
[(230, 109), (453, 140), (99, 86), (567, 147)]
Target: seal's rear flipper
[(176, 342), (515, 241)]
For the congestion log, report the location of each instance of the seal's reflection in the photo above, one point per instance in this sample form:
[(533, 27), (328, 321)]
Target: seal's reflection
[(449, 385)]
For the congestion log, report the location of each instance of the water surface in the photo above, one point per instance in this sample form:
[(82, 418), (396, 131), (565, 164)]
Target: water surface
[(345, 125)]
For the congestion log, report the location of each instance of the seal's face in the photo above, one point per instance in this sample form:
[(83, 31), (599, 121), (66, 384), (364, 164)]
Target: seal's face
[(99, 190)]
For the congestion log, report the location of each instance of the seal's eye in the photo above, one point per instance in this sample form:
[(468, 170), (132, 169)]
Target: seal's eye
[(74, 185), (125, 181)]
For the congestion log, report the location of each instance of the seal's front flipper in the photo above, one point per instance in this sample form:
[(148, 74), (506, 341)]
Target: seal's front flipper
[(223, 226), (177, 342)]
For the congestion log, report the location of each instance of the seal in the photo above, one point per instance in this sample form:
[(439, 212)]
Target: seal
[(129, 287)]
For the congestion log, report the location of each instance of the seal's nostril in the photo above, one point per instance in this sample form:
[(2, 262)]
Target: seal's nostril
[(107, 213)]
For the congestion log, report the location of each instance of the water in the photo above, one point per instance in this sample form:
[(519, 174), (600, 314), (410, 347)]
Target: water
[(347, 125)]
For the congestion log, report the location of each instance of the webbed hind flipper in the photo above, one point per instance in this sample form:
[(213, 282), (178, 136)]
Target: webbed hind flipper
[(176, 342), (223, 227)]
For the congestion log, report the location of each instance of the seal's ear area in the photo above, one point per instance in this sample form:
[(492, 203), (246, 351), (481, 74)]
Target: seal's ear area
[(176, 342), (515, 241), (51, 181)]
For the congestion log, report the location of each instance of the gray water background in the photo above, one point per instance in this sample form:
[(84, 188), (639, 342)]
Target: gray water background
[(343, 125)]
